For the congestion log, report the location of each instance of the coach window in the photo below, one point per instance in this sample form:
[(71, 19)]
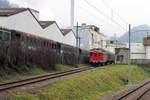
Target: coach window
[(46, 44), (52, 45), (23, 38), (6, 36), (18, 36), (1, 35)]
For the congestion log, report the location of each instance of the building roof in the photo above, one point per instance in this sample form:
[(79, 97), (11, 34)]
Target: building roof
[(66, 31), (45, 24), (12, 11)]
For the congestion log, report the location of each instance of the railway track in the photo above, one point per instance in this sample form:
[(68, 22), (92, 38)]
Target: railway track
[(137, 93), (20, 83)]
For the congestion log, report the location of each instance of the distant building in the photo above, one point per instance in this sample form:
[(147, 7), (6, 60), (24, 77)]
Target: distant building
[(137, 50), (90, 37), (146, 43), (121, 55), (27, 20), (111, 45)]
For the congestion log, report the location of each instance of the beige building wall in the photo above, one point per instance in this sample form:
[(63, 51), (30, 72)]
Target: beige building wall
[(96, 39), (147, 52)]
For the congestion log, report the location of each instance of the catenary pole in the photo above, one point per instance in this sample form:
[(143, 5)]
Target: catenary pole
[(129, 58), (77, 41)]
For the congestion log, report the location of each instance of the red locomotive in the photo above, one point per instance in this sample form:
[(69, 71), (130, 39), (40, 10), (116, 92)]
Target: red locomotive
[(101, 57)]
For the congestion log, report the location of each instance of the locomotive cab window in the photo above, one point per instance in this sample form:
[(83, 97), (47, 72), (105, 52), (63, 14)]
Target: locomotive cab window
[(91, 53), (100, 54)]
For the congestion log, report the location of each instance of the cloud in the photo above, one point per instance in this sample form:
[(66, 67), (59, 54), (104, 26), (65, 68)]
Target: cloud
[(7, 4)]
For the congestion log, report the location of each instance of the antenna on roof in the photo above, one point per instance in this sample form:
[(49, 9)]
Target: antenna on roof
[(28, 3), (72, 14)]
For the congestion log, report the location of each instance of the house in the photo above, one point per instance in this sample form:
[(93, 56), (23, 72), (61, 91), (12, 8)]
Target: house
[(27, 20), (89, 37)]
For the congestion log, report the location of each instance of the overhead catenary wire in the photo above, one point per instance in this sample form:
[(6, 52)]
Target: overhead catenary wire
[(108, 17), (114, 11)]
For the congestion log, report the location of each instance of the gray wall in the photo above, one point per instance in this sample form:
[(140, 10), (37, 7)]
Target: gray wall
[(140, 61)]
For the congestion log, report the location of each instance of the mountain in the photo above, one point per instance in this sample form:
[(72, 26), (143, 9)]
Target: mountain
[(137, 34)]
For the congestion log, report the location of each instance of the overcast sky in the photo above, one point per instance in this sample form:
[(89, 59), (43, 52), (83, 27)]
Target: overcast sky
[(135, 12)]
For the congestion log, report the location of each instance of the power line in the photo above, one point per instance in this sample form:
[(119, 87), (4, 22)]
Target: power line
[(104, 14), (114, 11)]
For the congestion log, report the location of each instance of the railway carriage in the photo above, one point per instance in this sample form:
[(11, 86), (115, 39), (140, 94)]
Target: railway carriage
[(30, 41)]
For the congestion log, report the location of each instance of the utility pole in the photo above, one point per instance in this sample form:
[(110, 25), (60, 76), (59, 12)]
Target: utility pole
[(72, 14), (129, 58), (77, 42)]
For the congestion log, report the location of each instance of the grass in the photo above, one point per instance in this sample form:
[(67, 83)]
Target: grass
[(82, 65), (90, 85), (36, 71), (16, 76), (61, 67)]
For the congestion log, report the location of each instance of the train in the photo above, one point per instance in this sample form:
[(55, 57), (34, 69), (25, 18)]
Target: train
[(100, 57)]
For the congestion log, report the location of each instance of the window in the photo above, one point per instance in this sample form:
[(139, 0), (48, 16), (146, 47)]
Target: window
[(18, 36), (99, 54), (1, 35), (120, 58), (91, 53), (44, 43), (6, 36)]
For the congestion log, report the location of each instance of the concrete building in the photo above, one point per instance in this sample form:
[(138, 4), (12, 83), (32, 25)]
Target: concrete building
[(27, 20), (137, 51), (146, 43), (121, 55), (111, 45), (90, 37)]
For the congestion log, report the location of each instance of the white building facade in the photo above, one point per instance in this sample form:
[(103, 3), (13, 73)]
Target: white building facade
[(27, 20), (89, 37)]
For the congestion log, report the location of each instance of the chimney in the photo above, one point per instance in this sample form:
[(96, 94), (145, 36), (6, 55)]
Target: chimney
[(83, 25)]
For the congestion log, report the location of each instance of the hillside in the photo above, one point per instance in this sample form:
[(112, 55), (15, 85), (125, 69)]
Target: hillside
[(137, 34)]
